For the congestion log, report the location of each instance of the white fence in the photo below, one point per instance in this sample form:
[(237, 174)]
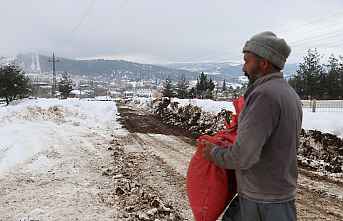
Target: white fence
[(323, 105)]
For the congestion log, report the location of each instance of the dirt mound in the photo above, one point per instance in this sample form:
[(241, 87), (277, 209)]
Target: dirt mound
[(189, 117), (322, 152), (137, 201)]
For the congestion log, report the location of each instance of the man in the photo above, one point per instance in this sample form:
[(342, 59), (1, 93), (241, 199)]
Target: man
[(264, 155)]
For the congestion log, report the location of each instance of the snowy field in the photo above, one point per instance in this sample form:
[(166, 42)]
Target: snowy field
[(325, 121)]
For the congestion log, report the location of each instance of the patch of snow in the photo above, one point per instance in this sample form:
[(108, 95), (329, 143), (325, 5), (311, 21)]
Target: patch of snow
[(234, 85), (327, 122), (212, 73), (207, 105), (102, 98), (77, 92)]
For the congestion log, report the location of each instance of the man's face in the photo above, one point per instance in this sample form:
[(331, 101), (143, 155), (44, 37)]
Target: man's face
[(251, 67)]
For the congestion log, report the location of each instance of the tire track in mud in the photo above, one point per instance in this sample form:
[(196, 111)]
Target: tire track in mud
[(314, 206), (176, 159), (156, 175), (166, 164)]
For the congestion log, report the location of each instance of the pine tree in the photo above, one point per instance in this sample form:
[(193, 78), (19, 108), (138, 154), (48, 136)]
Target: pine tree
[(319, 81), (333, 78), (308, 80), (65, 85), (168, 89), (182, 88), (204, 87), (13, 83), (341, 77)]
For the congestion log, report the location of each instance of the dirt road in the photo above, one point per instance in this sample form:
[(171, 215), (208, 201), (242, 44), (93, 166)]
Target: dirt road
[(167, 151)]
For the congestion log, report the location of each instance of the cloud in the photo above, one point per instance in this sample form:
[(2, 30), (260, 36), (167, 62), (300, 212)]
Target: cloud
[(163, 31)]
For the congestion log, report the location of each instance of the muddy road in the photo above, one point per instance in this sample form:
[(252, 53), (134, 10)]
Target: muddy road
[(162, 154)]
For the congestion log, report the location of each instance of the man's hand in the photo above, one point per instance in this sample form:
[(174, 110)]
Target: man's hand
[(207, 149)]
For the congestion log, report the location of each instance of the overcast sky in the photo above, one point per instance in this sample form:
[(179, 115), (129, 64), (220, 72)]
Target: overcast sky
[(160, 31)]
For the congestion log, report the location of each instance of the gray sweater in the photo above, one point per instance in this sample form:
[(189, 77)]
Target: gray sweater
[(264, 155)]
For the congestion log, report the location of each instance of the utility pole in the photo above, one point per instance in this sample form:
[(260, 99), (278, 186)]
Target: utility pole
[(80, 88), (53, 60), (36, 86)]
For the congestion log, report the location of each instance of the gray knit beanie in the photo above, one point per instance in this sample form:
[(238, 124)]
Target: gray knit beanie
[(267, 45)]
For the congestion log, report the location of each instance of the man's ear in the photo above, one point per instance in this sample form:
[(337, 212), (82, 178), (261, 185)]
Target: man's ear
[(264, 64)]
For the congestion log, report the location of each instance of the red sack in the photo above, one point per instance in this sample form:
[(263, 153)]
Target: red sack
[(209, 187)]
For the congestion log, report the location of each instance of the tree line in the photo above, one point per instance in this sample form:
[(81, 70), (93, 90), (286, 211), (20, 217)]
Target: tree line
[(316, 80), (203, 88)]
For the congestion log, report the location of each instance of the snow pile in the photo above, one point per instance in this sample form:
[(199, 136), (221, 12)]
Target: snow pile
[(31, 126)]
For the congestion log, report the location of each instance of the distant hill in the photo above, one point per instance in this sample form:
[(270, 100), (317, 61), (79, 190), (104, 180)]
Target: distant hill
[(223, 69), (114, 69), (107, 69)]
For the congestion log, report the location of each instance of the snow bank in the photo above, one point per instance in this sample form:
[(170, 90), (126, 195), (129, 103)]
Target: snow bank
[(33, 125)]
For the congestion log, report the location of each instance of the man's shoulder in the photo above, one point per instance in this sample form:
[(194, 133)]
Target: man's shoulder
[(262, 96), (273, 88), (277, 91), (267, 89), (273, 85), (271, 92)]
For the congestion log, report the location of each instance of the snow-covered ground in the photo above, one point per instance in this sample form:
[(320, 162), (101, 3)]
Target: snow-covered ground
[(32, 126), (51, 155), (325, 121)]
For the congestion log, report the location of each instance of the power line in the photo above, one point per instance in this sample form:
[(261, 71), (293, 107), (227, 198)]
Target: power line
[(85, 15), (320, 44), (312, 22), (315, 34), (323, 36)]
